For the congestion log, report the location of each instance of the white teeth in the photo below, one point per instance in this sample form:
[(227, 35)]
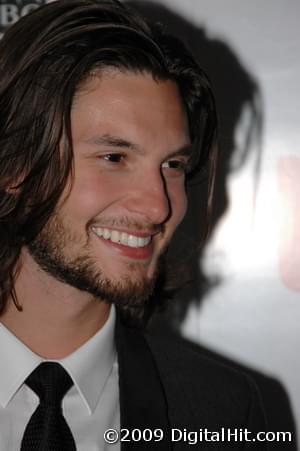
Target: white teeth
[(122, 237), (133, 241), (140, 241), (106, 234), (115, 236)]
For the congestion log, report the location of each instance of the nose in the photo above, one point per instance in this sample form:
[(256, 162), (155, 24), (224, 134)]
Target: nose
[(150, 200)]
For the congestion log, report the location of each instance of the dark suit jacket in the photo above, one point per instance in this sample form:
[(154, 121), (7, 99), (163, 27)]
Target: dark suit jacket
[(165, 385)]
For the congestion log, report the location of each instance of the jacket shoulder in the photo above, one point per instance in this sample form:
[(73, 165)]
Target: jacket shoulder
[(214, 394)]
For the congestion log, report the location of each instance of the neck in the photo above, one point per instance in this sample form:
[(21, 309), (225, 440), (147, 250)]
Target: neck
[(56, 318)]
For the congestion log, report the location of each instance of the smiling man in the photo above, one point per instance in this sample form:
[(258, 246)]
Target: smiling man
[(102, 122)]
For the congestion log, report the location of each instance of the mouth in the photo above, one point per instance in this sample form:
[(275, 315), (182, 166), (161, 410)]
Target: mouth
[(137, 246), (123, 238)]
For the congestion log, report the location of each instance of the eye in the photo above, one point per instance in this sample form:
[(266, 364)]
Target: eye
[(113, 157), (179, 166)]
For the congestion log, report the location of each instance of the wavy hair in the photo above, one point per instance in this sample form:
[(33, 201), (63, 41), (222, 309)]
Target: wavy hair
[(43, 59)]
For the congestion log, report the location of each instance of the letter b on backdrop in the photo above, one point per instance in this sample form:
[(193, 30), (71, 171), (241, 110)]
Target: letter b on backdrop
[(11, 11)]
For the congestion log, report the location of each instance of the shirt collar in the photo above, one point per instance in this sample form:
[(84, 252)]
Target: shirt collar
[(17, 361), (89, 366)]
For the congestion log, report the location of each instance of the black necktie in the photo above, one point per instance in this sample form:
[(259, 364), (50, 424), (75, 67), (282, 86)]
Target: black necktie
[(47, 429)]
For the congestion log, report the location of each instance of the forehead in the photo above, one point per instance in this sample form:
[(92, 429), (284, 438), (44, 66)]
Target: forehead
[(133, 106)]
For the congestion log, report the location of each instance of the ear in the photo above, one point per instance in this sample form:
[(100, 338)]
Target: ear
[(10, 186), (13, 190)]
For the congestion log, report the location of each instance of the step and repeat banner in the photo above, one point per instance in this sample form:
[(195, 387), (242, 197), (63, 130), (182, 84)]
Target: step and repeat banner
[(11, 11), (251, 310)]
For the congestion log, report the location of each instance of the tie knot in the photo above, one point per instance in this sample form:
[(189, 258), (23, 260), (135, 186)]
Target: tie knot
[(50, 382)]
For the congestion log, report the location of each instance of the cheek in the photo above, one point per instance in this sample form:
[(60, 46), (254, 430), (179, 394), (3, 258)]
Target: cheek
[(89, 196)]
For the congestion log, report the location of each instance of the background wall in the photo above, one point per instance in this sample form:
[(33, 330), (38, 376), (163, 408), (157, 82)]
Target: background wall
[(245, 300), (251, 312)]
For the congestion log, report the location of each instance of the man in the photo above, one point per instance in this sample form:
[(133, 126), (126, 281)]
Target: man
[(102, 123)]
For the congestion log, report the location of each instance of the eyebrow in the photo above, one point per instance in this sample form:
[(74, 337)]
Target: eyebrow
[(121, 143), (114, 141)]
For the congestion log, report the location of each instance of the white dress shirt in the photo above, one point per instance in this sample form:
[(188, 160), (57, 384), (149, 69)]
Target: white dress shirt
[(91, 405)]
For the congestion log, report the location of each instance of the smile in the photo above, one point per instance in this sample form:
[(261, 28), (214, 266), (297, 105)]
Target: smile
[(123, 238)]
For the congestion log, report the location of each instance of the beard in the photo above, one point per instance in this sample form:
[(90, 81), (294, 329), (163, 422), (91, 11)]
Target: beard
[(130, 295)]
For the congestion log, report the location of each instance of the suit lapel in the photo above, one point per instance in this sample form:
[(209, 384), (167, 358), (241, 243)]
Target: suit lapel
[(142, 399)]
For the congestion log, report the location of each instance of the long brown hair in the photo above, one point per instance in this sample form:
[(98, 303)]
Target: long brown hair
[(43, 59)]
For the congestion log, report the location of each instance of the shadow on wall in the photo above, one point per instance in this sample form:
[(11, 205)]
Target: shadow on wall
[(235, 89)]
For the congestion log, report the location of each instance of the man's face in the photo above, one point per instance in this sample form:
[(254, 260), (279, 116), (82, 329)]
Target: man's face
[(131, 145)]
